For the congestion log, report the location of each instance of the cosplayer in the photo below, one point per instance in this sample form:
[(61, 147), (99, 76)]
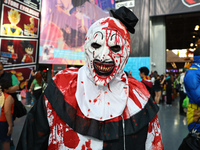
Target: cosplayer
[(28, 48), (192, 86), (98, 106), (12, 29)]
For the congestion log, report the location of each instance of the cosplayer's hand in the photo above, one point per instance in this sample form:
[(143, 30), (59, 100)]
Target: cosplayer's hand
[(10, 130)]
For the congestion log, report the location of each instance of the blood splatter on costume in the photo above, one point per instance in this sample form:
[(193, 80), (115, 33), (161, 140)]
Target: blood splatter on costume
[(96, 107)]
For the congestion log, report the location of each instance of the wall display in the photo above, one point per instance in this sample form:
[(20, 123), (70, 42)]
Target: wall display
[(64, 25), (12, 23), (160, 7), (22, 73), (15, 52), (35, 4)]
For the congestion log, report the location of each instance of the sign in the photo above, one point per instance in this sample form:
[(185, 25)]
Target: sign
[(127, 4), (22, 74), (35, 4), (16, 52), (64, 26), (17, 23), (191, 3)]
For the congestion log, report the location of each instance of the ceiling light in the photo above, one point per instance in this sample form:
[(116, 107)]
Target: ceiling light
[(196, 28), (191, 44), (193, 36)]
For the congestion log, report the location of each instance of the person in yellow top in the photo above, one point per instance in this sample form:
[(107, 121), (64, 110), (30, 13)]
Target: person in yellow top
[(12, 29), (6, 122)]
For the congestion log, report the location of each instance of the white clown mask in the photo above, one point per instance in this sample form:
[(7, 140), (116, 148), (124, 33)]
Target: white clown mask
[(107, 48)]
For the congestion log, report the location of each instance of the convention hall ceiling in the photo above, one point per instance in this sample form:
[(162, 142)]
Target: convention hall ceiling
[(180, 30)]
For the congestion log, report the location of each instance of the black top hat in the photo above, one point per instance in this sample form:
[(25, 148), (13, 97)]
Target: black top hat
[(126, 16)]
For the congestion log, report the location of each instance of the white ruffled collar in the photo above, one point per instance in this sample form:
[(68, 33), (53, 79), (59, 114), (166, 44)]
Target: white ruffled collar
[(101, 102)]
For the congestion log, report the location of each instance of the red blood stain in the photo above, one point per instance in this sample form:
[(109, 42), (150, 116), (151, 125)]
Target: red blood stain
[(71, 139), (105, 92), (90, 101), (101, 117), (83, 147), (95, 100), (88, 109), (93, 53), (95, 36), (111, 115), (108, 103), (109, 87), (82, 82), (85, 38), (88, 143)]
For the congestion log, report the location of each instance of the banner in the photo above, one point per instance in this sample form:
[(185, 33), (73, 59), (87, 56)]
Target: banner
[(64, 25), (22, 74), (35, 4), (161, 7), (16, 52), (18, 23)]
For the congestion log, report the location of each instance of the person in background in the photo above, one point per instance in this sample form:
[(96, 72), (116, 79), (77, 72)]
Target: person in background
[(157, 87), (30, 96), (130, 74), (6, 121), (168, 84), (13, 79), (153, 81), (144, 72), (36, 86), (192, 86), (182, 92), (23, 94)]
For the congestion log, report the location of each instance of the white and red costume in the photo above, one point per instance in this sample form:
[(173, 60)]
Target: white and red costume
[(96, 107)]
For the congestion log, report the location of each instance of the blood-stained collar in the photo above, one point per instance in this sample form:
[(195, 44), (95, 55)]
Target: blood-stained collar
[(107, 48)]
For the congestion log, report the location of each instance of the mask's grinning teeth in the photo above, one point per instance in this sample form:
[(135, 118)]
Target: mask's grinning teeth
[(103, 68)]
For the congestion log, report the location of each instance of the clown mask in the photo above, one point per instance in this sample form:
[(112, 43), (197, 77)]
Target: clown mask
[(107, 48)]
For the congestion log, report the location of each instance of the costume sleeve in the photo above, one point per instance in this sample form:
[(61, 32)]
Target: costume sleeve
[(192, 85), (154, 140), (14, 80), (35, 133)]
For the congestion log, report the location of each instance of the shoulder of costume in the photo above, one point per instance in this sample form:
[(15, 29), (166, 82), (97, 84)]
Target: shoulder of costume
[(60, 93)]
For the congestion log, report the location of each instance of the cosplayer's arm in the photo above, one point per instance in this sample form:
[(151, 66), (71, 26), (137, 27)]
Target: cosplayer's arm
[(192, 85), (154, 140), (35, 133), (7, 109)]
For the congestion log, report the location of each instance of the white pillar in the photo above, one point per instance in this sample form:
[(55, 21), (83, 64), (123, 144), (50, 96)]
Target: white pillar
[(158, 44)]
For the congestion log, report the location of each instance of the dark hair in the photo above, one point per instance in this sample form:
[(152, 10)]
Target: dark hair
[(77, 3), (26, 44), (5, 84), (9, 43), (38, 77), (144, 70)]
